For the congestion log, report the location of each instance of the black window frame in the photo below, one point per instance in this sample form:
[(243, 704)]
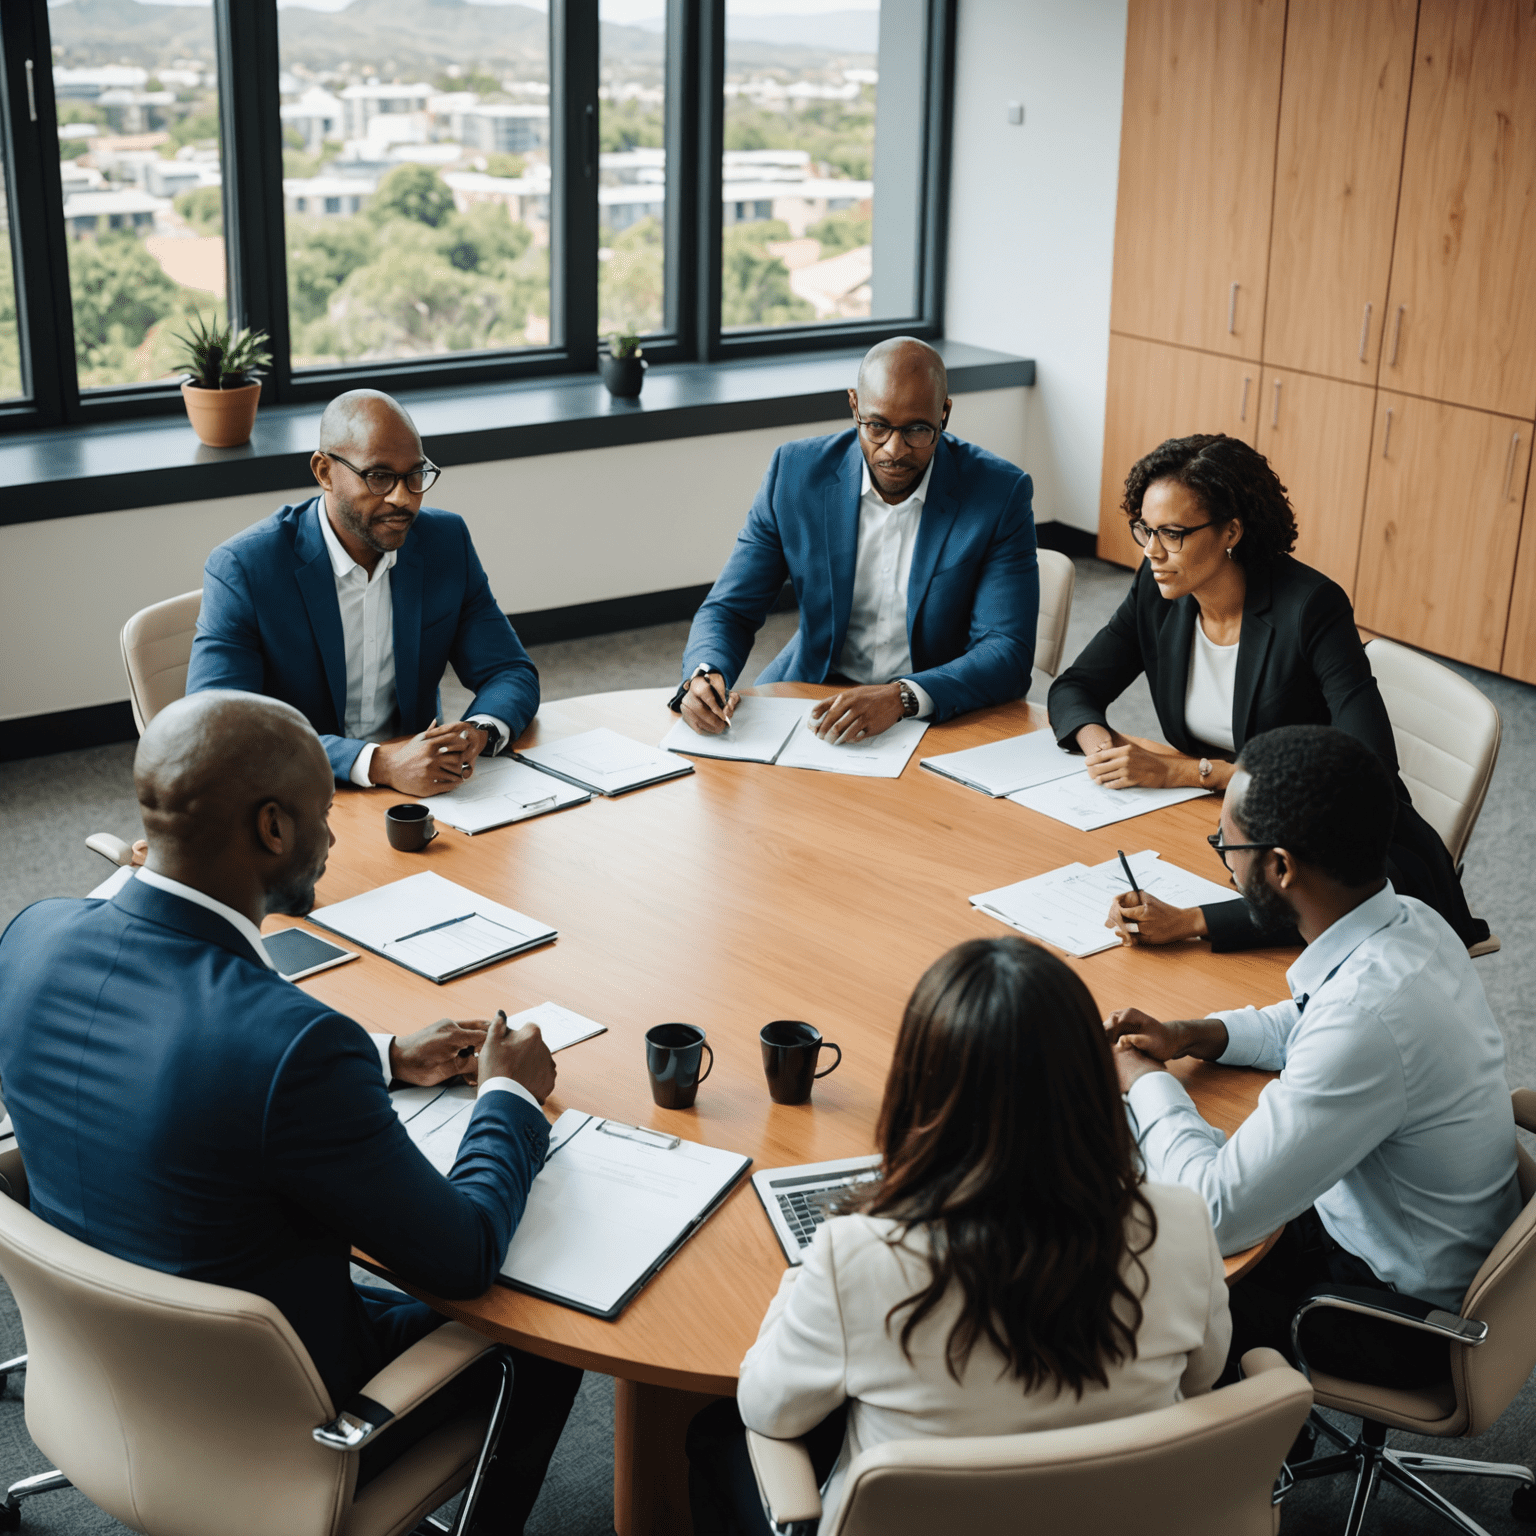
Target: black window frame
[(246, 33)]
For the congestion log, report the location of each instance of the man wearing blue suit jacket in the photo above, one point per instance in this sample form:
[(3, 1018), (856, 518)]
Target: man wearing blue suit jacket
[(180, 1105), (912, 556), (349, 607)]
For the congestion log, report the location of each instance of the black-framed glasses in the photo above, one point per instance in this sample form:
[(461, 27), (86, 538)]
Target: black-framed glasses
[(917, 434), (382, 482), (1223, 849), (1172, 539)]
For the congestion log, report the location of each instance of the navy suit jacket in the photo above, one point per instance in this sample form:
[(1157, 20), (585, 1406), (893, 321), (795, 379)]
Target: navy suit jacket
[(973, 596), (181, 1106), (271, 624)]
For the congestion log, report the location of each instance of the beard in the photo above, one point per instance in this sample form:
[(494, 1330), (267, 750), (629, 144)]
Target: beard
[(359, 527), (1269, 908), (295, 897)]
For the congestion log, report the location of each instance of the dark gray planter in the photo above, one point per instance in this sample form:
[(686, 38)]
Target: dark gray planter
[(624, 376)]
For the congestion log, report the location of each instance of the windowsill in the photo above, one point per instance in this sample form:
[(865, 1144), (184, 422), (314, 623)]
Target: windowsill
[(73, 471)]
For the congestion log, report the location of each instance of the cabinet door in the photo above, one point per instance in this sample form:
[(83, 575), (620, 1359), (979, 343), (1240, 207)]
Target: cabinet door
[(1520, 637), (1157, 392), (1343, 109), (1197, 170), (1316, 434), (1461, 324), (1442, 520)]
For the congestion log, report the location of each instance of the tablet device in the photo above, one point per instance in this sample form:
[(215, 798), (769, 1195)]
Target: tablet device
[(298, 953)]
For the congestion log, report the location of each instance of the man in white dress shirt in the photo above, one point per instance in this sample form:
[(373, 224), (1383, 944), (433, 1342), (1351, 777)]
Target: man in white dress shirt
[(912, 556), (351, 606), (1388, 1142)]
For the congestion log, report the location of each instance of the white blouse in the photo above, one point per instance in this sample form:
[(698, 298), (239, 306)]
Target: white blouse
[(1208, 698)]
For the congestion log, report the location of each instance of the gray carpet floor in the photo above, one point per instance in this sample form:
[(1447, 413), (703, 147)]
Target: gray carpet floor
[(48, 805)]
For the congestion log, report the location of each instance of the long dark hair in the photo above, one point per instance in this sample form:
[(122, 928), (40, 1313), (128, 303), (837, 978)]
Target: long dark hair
[(1004, 1135)]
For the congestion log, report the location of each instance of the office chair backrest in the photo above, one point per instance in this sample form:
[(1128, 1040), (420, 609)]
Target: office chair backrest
[(1058, 577), (157, 645), (160, 1397), (1204, 1467), (1503, 1295), (1447, 735)]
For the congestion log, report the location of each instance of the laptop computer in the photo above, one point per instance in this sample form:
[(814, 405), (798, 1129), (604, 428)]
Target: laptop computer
[(797, 1199)]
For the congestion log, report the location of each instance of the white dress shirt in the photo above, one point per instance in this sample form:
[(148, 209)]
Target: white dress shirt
[(368, 637), (876, 648), (1208, 696), (252, 935), (825, 1341), (1391, 1114)]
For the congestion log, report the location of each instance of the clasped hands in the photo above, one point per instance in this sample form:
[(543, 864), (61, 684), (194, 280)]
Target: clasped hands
[(475, 1049), (431, 762), (848, 716), (1142, 1044)]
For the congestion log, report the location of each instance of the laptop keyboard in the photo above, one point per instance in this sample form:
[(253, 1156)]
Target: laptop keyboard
[(805, 1210)]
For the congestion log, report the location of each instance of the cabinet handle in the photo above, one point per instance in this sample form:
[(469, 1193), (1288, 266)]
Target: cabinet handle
[(1242, 410), (1274, 418), (1509, 468), (1232, 311), (1397, 335), (1365, 332), (1386, 437)]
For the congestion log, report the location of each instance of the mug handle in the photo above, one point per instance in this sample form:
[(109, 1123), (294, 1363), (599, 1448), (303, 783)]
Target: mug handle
[(430, 836), (836, 1064), (704, 1046)]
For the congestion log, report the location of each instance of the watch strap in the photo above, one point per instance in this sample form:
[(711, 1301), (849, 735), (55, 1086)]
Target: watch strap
[(675, 703)]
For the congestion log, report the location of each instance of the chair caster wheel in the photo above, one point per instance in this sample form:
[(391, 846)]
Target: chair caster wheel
[(10, 1516), (1522, 1506)]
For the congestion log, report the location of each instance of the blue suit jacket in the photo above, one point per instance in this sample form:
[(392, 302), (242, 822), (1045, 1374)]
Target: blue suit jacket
[(973, 596), (271, 624), (185, 1108)]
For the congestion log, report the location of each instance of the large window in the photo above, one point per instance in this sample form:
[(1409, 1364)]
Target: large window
[(474, 190)]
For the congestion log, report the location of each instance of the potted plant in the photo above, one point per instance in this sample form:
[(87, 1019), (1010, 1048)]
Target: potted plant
[(223, 384), (623, 367)]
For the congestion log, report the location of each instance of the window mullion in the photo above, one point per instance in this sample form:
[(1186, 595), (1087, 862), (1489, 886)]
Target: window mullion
[(708, 149), (682, 211), (573, 77), (941, 89)]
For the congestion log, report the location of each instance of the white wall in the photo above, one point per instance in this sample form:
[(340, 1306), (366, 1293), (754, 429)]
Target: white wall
[(552, 531), (1032, 220)]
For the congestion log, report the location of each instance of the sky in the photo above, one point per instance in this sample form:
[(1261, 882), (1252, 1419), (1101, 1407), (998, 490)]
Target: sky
[(612, 10)]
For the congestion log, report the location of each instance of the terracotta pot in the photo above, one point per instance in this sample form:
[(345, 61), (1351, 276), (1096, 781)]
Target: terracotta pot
[(624, 376), (222, 418)]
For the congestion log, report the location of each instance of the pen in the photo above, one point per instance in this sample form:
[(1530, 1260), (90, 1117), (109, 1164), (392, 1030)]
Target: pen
[(1125, 865), (469, 1050), (446, 923), (715, 695)]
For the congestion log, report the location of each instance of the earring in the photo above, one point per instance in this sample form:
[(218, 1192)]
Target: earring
[(1229, 552)]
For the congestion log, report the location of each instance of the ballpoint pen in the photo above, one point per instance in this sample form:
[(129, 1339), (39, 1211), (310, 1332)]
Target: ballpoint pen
[(1126, 866), (715, 695)]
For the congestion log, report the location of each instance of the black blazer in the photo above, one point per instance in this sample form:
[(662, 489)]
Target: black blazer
[(1299, 662)]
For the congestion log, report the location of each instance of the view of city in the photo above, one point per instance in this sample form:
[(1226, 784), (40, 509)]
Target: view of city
[(416, 183)]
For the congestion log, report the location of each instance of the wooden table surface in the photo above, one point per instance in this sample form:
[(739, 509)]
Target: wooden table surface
[(740, 894)]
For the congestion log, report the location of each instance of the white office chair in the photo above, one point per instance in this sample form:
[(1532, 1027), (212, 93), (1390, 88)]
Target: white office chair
[(157, 647), (1058, 577)]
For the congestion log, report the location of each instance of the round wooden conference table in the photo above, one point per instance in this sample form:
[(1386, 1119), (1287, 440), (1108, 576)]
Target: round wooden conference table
[(736, 895)]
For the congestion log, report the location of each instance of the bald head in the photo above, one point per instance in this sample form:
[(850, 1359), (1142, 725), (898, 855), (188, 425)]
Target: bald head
[(353, 422), (906, 365)]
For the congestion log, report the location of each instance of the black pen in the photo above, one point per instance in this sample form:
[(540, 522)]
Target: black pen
[(714, 693), (1125, 865)]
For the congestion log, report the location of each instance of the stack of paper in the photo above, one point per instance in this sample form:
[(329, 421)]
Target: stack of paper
[(502, 790), (873, 757), (1081, 803), (760, 725), (1002, 767), (1068, 907), (605, 762)]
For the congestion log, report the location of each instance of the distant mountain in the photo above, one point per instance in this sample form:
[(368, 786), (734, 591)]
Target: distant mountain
[(830, 32)]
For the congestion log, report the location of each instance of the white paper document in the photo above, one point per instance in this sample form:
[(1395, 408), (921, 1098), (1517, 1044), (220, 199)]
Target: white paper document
[(1081, 803), (559, 1026), (760, 725), (875, 757), (605, 762), (1002, 767), (432, 926), (1067, 907), (503, 790)]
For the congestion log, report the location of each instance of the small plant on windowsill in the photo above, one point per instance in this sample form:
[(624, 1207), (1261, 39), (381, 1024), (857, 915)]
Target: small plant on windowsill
[(223, 382), (623, 366)]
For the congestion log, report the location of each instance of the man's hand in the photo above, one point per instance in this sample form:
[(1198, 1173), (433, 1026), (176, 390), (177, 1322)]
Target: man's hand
[(440, 1051), (709, 704), (857, 713), (1131, 1028), (522, 1056), (1131, 1064), (427, 764), (1124, 765), (1150, 921)]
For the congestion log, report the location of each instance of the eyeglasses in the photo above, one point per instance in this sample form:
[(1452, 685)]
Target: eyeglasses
[(1223, 849), (382, 482), (1172, 539), (918, 435)]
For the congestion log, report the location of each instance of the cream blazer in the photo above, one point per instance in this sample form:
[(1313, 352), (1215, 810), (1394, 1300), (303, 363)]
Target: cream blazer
[(824, 1341)]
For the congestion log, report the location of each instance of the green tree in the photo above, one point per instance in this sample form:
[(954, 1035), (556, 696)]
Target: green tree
[(631, 124), (754, 286), (10, 342), (414, 192), (840, 232), (476, 80), (482, 239), (118, 291), (505, 165), (322, 254), (203, 209), (195, 128), (631, 292)]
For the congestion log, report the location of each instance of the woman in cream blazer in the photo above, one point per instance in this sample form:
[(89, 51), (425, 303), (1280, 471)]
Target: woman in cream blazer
[(1007, 1153)]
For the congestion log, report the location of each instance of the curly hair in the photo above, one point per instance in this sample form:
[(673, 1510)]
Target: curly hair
[(1229, 480)]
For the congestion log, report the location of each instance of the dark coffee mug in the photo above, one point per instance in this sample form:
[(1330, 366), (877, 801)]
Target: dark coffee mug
[(673, 1053), (789, 1059), (409, 827)]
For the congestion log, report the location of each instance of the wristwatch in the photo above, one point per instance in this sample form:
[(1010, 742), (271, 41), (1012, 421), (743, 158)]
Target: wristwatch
[(492, 736), (1205, 768), (675, 703), (909, 704)]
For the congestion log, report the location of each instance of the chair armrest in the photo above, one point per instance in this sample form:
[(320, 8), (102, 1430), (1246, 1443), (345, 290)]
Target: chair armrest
[(1524, 1101), (405, 1383), (1257, 1362), (785, 1479), (113, 849), (1389, 1307)]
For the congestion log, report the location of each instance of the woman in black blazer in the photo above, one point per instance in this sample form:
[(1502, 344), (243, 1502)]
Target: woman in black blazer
[(1236, 638)]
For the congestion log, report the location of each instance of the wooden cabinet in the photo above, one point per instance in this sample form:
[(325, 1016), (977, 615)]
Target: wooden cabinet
[(1197, 163), (1520, 635), (1342, 117), (1316, 433), (1462, 309), (1158, 392), (1442, 524)]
